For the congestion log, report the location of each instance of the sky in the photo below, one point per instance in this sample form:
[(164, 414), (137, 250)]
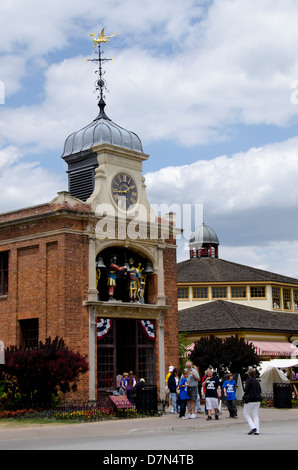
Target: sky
[(210, 87)]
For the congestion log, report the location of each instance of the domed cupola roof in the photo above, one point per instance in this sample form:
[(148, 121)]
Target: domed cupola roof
[(203, 234), (203, 242), (101, 131)]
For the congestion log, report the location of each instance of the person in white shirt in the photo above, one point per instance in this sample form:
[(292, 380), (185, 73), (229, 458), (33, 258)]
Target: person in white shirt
[(192, 389)]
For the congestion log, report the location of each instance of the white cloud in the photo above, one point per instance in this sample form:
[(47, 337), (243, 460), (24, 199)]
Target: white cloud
[(258, 178), (250, 200), (25, 184), (8, 156), (68, 106), (184, 75), (278, 257)]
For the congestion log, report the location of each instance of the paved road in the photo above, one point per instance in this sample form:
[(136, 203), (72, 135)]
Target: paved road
[(274, 437), (279, 431)]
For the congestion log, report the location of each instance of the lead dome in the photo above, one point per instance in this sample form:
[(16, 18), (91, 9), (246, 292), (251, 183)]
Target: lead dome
[(203, 243), (101, 130)]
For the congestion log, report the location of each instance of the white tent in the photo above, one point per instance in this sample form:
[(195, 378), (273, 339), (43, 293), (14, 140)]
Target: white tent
[(239, 391), (269, 377)]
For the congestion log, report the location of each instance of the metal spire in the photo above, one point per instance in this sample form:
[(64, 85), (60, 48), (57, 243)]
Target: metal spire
[(100, 84)]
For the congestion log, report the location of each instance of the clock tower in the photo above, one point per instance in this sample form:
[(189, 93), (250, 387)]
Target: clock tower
[(132, 285)]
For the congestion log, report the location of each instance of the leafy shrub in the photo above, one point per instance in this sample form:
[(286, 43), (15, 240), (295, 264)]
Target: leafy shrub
[(34, 378)]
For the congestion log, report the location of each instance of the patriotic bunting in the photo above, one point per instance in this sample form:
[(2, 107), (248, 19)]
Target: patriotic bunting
[(103, 327), (148, 328)]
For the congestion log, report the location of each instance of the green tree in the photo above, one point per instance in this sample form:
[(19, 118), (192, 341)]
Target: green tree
[(208, 352), (40, 374), (239, 355), (231, 354)]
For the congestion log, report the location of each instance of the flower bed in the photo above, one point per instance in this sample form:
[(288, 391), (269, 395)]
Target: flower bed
[(86, 415), (5, 414)]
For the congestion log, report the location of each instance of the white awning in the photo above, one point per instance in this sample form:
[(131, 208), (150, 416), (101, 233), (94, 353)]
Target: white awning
[(279, 363), (274, 348)]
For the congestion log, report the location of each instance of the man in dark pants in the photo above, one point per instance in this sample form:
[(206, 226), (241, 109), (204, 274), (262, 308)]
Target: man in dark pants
[(229, 387)]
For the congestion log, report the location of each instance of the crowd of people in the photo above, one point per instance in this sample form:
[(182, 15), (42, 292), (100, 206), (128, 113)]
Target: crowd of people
[(185, 391), (130, 387)]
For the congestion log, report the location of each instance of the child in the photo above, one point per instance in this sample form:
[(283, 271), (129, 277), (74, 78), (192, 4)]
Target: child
[(213, 392), (229, 388), (183, 394)]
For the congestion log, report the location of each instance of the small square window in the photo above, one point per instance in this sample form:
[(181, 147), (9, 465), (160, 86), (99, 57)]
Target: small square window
[(238, 292), (200, 293), (183, 293), (258, 292), (219, 292)]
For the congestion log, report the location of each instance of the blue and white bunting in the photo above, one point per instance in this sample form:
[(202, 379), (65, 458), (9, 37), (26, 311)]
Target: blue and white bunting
[(103, 327), (148, 328)]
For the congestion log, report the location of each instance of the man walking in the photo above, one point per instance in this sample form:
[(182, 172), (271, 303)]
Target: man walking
[(229, 387), (192, 389)]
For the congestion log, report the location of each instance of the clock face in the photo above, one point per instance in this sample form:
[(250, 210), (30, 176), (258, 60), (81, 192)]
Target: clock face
[(124, 191)]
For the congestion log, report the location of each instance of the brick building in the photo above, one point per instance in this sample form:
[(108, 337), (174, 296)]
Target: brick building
[(56, 264)]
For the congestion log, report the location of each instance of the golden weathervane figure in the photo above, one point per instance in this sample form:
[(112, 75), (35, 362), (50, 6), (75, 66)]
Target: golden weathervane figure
[(102, 38), (100, 84)]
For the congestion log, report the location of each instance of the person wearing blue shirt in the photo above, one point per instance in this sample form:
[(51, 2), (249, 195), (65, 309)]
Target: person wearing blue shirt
[(229, 387), (183, 394)]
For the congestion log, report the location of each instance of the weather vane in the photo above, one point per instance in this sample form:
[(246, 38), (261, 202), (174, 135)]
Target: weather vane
[(100, 84)]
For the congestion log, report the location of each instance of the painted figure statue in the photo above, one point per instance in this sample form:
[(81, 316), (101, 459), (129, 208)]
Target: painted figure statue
[(135, 281), (112, 275)]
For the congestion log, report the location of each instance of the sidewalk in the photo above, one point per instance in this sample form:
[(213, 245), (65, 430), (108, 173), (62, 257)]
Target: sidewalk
[(171, 422), (165, 423)]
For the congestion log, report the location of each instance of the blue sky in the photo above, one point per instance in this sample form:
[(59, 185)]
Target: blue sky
[(209, 86)]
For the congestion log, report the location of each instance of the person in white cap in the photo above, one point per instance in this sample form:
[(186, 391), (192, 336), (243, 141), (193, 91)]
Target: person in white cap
[(171, 368)]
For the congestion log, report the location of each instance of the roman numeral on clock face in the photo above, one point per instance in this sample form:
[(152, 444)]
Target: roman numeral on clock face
[(124, 191)]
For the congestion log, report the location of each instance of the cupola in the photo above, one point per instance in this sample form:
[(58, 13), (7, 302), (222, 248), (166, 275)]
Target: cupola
[(203, 243), (78, 148)]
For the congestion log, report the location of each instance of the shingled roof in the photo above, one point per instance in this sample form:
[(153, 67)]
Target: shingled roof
[(222, 315), (219, 270)]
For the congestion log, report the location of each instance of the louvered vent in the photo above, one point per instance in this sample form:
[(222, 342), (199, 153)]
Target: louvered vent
[(81, 183)]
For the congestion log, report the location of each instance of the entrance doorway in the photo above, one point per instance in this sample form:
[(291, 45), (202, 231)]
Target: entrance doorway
[(125, 348)]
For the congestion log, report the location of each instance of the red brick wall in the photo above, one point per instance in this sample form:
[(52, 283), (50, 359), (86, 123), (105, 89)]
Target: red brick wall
[(48, 280), (171, 317)]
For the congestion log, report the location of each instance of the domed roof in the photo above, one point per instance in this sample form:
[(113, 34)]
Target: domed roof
[(203, 234), (101, 131)]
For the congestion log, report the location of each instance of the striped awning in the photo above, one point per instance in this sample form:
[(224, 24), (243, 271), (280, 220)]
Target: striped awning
[(274, 348), (189, 348)]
